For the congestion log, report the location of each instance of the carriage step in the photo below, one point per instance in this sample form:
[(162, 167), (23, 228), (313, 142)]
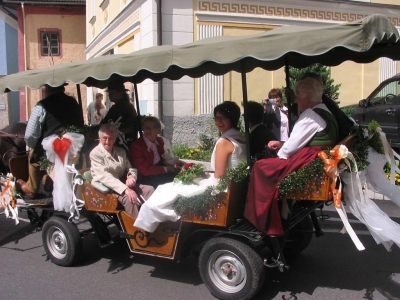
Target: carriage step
[(45, 201), (244, 227)]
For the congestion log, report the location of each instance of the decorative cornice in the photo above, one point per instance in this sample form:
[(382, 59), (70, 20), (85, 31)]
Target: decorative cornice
[(113, 33), (278, 11)]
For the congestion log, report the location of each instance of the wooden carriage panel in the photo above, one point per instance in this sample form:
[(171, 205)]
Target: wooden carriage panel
[(321, 195), (19, 167), (161, 242), (231, 208), (96, 201)]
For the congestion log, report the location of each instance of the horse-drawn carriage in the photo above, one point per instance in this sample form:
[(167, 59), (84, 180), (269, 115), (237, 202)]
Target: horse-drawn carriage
[(232, 252)]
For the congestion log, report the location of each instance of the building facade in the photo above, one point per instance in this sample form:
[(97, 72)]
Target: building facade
[(9, 104), (49, 33), (123, 26)]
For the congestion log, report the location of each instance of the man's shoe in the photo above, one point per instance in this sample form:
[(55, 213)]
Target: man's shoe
[(22, 186), (47, 183)]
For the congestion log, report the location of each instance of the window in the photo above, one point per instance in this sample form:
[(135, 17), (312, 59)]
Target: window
[(50, 43)]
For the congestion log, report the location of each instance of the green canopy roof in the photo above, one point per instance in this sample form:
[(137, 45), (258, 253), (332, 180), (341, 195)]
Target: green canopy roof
[(362, 41)]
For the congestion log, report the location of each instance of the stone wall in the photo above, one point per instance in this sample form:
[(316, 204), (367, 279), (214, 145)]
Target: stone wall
[(187, 129), (4, 113)]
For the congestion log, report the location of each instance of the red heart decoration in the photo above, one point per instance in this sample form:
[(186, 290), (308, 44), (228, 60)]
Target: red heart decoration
[(61, 147)]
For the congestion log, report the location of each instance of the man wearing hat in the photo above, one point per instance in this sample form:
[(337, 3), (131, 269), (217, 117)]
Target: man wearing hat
[(122, 108), (48, 117)]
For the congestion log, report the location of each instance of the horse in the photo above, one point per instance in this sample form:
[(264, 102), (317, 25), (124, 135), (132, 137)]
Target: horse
[(12, 144)]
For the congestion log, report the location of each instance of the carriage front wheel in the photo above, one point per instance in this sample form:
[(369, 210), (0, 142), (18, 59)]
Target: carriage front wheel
[(62, 241), (230, 269)]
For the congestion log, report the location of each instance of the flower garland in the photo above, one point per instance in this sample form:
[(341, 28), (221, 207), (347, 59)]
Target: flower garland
[(189, 172), (307, 179), (205, 206)]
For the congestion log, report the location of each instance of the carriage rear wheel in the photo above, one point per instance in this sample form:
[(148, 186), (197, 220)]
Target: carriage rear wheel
[(299, 237), (62, 241), (230, 269)]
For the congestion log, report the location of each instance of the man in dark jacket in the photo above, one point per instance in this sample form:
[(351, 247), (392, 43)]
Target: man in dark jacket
[(259, 133), (122, 109), (48, 117)]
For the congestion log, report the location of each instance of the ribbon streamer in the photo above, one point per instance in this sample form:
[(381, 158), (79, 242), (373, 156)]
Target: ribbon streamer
[(339, 152), (77, 204), (9, 203)]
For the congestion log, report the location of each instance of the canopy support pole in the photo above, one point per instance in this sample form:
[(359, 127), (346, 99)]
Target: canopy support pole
[(78, 92), (289, 99), (138, 109), (246, 119)]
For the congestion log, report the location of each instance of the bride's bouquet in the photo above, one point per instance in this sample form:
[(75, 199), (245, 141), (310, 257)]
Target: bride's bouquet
[(189, 172)]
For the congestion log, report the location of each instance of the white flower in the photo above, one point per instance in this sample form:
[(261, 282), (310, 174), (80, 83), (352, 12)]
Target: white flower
[(342, 167), (215, 191), (366, 133), (78, 180), (343, 151)]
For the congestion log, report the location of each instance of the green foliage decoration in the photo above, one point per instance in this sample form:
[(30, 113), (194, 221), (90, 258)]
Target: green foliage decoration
[(365, 137), (348, 110), (205, 206)]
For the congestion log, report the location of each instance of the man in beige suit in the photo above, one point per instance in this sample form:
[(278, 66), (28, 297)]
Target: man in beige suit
[(111, 167)]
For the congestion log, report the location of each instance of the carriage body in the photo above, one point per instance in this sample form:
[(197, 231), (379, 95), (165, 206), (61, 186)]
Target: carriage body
[(228, 234)]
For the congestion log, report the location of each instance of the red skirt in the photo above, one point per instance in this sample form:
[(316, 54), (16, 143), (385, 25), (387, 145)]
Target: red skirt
[(262, 208)]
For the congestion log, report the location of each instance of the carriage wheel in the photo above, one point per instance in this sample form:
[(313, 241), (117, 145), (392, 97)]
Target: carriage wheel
[(299, 237), (230, 269), (62, 241)]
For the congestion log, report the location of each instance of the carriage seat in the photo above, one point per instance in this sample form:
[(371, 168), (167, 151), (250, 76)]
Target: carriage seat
[(97, 196), (97, 185)]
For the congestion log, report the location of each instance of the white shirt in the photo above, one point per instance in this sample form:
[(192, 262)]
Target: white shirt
[(284, 126), (308, 124), (92, 112)]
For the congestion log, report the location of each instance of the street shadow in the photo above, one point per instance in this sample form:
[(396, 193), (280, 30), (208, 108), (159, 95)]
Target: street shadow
[(334, 262), (11, 234), (120, 259)]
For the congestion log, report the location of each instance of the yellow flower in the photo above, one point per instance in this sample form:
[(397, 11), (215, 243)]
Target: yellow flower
[(191, 151), (197, 150)]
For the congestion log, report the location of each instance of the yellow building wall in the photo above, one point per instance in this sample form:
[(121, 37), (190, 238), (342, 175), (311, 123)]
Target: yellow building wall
[(126, 47), (357, 80), (391, 2), (259, 81), (105, 16), (72, 48)]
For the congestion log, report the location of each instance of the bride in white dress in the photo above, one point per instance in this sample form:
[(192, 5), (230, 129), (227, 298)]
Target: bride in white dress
[(228, 152)]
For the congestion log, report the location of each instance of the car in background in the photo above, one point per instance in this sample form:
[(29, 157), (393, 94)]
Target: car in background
[(383, 106)]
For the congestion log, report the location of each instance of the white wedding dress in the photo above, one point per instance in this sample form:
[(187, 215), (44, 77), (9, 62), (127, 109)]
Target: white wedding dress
[(159, 207)]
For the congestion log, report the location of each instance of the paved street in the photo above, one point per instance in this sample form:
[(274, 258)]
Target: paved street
[(330, 268)]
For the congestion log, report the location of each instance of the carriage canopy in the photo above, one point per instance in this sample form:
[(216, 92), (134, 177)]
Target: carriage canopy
[(361, 41)]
